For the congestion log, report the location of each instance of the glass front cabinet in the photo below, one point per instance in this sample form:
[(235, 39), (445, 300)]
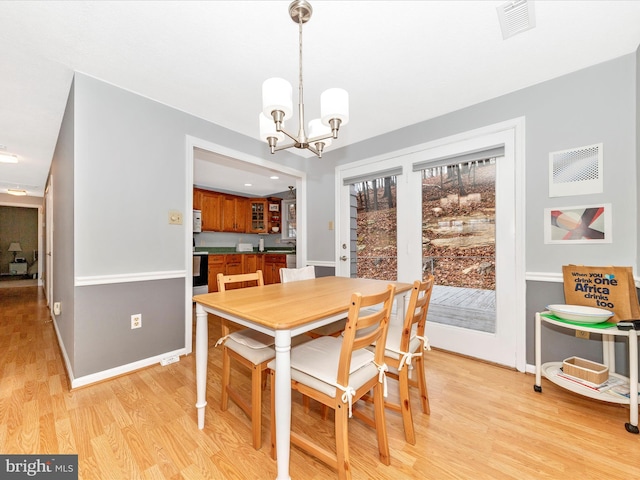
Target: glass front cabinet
[(258, 221)]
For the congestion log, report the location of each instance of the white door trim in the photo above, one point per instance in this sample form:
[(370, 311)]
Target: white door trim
[(301, 205)]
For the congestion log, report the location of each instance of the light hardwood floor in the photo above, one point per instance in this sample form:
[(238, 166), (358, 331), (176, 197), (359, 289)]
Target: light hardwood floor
[(486, 422)]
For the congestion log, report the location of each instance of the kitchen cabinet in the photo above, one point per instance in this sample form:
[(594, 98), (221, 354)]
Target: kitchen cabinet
[(274, 215), (251, 263), (236, 264), (234, 214), (272, 265), (258, 221), (216, 266), (197, 199), (233, 265), (210, 204)]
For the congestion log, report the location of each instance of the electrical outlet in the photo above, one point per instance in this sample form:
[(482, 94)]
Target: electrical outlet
[(136, 321), (57, 309), (581, 334), (169, 360)]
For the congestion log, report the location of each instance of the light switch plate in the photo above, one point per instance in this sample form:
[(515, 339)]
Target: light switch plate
[(175, 217)]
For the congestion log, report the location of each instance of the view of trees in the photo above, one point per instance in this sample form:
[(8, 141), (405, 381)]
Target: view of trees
[(458, 226)]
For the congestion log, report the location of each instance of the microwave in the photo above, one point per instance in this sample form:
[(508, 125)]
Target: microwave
[(197, 221)]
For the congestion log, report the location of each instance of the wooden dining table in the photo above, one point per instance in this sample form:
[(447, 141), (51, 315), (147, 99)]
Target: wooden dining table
[(282, 310)]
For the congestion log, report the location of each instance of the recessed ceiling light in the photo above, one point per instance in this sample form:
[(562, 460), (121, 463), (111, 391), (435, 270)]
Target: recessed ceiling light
[(16, 191), (274, 177), (8, 158), (248, 185)]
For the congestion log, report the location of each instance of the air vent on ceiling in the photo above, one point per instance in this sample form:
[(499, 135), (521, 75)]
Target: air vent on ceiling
[(577, 171), (516, 17)]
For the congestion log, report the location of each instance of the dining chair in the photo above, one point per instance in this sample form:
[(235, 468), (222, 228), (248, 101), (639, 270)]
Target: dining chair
[(249, 348), (403, 353), (305, 273), (338, 371)]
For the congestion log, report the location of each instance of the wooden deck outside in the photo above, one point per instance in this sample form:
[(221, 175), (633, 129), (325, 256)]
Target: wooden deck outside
[(463, 307)]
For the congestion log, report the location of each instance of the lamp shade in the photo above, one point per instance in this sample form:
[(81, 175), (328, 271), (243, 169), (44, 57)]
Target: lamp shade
[(334, 103), (15, 247), (268, 129), (319, 129), (276, 95)]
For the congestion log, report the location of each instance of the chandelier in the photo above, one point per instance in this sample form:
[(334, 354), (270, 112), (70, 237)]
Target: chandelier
[(277, 105)]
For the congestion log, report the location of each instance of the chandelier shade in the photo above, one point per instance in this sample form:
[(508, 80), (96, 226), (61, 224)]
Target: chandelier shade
[(268, 129), (276, 96), (277, 104), (334, 104)]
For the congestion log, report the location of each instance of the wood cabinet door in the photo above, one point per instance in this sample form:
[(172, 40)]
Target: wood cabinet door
[(257, 221), (272, 265), (211, 206), (233, 264), (216, 266), (197, 199), (252, 263), (234, 214)]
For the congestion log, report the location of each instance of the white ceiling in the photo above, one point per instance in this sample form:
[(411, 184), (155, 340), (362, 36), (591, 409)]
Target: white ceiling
[(401, 61)]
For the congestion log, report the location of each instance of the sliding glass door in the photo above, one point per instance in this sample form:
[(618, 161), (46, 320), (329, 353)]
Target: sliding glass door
[(447, 210)]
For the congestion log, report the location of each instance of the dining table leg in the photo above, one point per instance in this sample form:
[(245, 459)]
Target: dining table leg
[(202, 352), (283, 402)]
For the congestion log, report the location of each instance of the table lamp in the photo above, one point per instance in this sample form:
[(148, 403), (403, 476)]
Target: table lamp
[(15, 248)]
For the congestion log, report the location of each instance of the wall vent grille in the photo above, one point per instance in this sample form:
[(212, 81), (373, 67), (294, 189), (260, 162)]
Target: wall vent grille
[(577, 171)]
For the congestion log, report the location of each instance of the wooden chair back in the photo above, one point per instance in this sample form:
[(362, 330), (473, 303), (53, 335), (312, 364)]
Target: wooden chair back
[(417, 311), (365, 327), (256, 279), (296, 274)]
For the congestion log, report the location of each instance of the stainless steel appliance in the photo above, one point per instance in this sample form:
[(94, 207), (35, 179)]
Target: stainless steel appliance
[(197, 221), (291, 261), (200, 273)]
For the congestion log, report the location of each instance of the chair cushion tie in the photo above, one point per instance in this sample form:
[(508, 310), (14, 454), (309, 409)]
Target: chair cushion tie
[(221, 340), (407, 356), (347, 396), (382, 377)]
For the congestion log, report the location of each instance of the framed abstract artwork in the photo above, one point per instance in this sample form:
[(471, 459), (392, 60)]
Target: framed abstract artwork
[(586, 224)]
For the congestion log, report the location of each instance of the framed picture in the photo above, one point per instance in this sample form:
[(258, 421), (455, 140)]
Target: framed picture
[(274, 207), (584, 224)]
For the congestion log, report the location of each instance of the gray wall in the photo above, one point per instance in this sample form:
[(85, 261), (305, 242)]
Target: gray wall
[(594, 105), (118, 168), (62, 179), (597, 104)]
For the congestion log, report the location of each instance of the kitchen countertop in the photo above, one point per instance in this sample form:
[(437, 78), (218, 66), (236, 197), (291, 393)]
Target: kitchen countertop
[(228, 250)]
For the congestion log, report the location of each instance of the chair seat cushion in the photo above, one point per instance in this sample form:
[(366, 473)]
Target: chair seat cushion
[(315, 364), (254, 355), (252, 338)]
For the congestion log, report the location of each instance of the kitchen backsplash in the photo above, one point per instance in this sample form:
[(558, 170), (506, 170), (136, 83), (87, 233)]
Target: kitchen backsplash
[(222, 239)]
